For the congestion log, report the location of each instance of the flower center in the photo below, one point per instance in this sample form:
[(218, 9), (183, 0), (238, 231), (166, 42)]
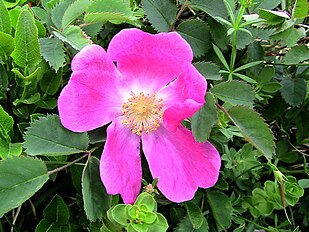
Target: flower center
[(142, 113)]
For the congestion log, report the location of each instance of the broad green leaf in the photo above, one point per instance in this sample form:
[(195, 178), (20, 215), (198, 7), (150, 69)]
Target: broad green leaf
[(76, 9), (304, 183), (53, 52), (209, 70), (57, 211), (293, 91), (289, 36), (58, 11), (297, 54), (27, 48), (266, 75), (266, 4), (218, 33), (229, 91), (255, 53), (300, 9), (254, 129), (212, 7), (30, 100), (14, 14), (204, 119), (5, 21), (195, 214), (50, 82), (21, 177), (161, 13), (40, 13), (74, 36), (220, 56), (10, 149), (197, 35), (243, 39), (185, 225), (273, 17), (271, 87), (6, 124), (221, 208), (96, 200), (116, 11), (48, 137), (160, 225), (13, 3), (147, 200)]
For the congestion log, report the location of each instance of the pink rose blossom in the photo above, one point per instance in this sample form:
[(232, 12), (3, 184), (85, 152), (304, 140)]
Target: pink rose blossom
[(152, 88)]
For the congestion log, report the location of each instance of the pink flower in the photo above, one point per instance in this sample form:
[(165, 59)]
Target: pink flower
[(152, 88)]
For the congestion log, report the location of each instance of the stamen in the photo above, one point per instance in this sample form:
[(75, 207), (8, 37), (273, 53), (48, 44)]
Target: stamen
[(142, 113)]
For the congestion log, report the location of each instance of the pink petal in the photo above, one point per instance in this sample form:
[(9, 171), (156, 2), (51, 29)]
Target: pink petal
[(180, 163), (91, 98), (147, 61), (120, 165), (183, 97)]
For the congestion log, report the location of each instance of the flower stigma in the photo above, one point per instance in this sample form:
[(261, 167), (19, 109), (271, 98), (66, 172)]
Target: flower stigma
[(142, 113)]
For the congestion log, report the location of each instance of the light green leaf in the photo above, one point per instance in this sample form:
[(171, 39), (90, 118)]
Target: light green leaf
[(229, 92), (48, 137), (297, 54), (53, 52), (74, 36), (58, 11), (254, 129), (212, 7), (273, 17), (161, 13), (220, 56), (204, 119), (271, 87), (160, 225), (96, 200), (197, 35), (6, 124), (185, 226), (293, 91), (116, 11), (195, 215), (6, 43), (300, 9), (221, 208), (20, 175), (76, 9), (57, 211), (5, 21), (27, 48), (14, 14), (245, 78), (209, 70), (9, 149)]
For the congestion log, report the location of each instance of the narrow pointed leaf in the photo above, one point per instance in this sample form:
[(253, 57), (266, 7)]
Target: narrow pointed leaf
[(249, 65), (220, 56), (254, 129), (21, 177), (48, 137)]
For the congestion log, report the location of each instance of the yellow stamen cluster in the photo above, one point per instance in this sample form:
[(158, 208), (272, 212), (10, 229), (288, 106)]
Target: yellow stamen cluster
[(142, 113)]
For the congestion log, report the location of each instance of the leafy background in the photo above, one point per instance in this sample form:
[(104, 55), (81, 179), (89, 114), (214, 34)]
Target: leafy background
[(254, 55)]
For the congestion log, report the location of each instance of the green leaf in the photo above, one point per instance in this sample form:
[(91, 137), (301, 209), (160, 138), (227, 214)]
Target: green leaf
[(50, 82), (185, 225), (9, 149), (248, 65), (116, 11), (273, 17), (229, 92), (297, 54), (6, 43), (271, 87), (76, 9), (48, 137), (195, 215), (53, 52), (161, 13), (147, 200), (20, 175), (47, 103), (74, 36), (160, 225), (14, 14), (5, 21), (204, 119), (300, 9), (221, 208), (118, 213), (212, 7), (266, 4), (245, 78), (293, 91), (57, 211), (96, 200), (27, 48), (303, 183), (6, 124), (197, 35), (220, 56), (289, 36), (209, 70), (254, 129), (58, 11)]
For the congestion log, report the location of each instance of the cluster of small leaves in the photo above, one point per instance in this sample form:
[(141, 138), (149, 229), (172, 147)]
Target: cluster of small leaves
[(254, 55)]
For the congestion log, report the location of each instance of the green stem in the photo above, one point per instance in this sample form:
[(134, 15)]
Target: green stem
[(254, 223), (283, 5)]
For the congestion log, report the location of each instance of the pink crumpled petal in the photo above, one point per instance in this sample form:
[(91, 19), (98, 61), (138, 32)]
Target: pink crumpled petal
[(180, 163), (120, 165)]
